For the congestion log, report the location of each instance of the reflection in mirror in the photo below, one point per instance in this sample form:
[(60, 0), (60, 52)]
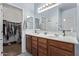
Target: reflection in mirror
[(67, 18), (49, 20), (29, 22), (37, 23), (58, 18)]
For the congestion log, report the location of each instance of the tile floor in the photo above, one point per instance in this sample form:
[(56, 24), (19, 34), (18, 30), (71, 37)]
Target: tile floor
[(12, 50)]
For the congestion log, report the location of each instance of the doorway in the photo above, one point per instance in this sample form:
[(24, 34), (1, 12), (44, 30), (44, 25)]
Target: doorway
[(11, 38)]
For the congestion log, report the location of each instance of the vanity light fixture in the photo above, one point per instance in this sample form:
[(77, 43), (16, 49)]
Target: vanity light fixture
[(43, 6), (47, 6)]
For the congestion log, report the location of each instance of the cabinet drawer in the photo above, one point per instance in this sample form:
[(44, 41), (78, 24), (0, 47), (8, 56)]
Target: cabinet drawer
[(34, 42), (34, 46), (42, 49), (60, 52), (42, 40), (34, 38), (28, 48), (42, 45), (28, 44), (41, 54), (62, 45), (34, 51)]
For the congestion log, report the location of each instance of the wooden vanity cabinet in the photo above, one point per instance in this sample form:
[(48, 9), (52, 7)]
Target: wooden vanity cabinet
[(58, 48), (34, 45), (42, 47), (28, 43), (39, 46)]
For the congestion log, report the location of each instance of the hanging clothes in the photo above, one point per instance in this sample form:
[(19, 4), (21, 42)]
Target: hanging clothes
[(8, 32), (11, 30), (3, 29)]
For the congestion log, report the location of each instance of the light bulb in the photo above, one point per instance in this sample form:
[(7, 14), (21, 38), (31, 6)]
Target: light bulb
[(46, 4), (28, 16), (43, 6), (64, 20)]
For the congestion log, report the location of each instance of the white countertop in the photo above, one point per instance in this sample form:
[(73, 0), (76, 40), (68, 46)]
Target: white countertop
[(69, 39)]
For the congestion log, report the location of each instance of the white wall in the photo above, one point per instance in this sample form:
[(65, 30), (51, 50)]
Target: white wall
[(70, 16), (28, 10), (77, 45), (1, 29), (11, 13)]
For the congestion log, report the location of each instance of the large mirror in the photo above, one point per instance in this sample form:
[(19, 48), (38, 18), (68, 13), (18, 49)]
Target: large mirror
[(68, 16), (58, 18), (48, 20)]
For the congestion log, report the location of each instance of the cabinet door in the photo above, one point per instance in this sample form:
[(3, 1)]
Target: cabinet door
[(42, 51), (50, 51), (42, 47), (60, 52), (28, 43), (34, 41), (34, 51), (41, 54), (62, 45), (34, 45), (53, 51)]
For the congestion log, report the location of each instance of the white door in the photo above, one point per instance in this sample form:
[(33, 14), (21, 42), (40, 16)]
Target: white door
[(1, 30)]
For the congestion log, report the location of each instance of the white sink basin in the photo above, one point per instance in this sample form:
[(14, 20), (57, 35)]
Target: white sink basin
[(55, 35), (50, 35)]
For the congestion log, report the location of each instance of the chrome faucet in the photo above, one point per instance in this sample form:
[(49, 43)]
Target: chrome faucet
[(64, 33), (35, 31)]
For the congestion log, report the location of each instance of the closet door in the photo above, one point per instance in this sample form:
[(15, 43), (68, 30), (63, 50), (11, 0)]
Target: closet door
[(1, 29)]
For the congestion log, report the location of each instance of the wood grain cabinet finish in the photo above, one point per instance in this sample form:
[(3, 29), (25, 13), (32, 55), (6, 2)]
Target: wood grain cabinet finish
[(42, 47), (58, 48), (60, 52), (28, 43), (34, 51), (34, 45), (50, 51), (61, 45), (53, 51)]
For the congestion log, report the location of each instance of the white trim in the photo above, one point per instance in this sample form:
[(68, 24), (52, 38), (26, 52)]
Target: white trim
[(11, 4)]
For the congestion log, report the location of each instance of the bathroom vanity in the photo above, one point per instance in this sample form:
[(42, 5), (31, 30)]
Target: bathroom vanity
[(39, 45), (61, 18)]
